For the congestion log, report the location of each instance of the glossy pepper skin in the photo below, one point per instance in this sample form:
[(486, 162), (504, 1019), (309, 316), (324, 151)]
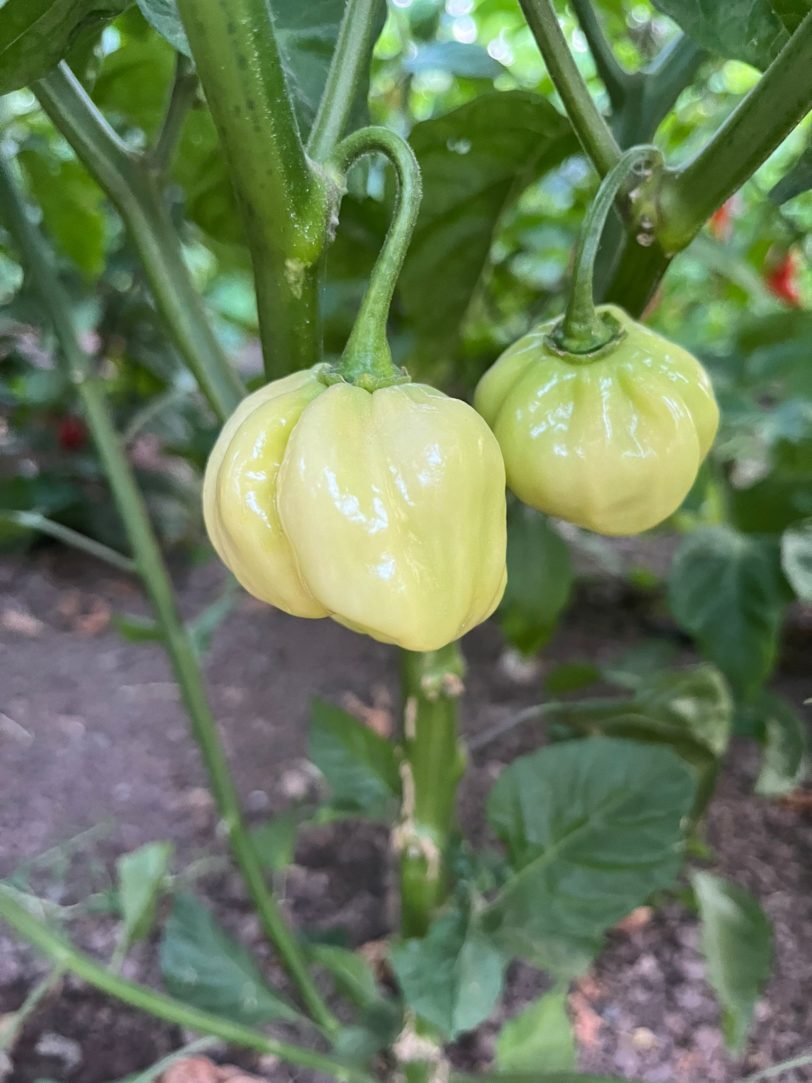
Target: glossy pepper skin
[(384, 510), (611, 441)]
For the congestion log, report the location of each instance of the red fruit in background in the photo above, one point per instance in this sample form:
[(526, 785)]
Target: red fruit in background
[(71, 433), (721, 221), (782, 279)]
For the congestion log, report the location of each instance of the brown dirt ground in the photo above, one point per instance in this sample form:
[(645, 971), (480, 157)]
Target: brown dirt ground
[(93, 738)]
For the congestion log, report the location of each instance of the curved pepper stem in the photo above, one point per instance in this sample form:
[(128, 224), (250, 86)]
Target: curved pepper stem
[(584, 330), (367, 359)]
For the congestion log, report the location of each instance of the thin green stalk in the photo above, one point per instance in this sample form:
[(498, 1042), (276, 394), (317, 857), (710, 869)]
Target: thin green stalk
[(63, 954), (286, 203), (779, 1069), (132, 189), (347, 74), (181, 95), (759, 123), (152, 568), (612, 74), (590, 126), (33, 520), (433, 764), (367, 359)]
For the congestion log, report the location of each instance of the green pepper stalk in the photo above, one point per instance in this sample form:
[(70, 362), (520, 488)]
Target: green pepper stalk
[(367, 359), (584, 330)]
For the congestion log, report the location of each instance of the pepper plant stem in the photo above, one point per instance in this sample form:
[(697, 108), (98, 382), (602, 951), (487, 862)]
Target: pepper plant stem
[(158, 584), (432, 767), (590, 126), (613, 76), (132, 188), (62, 953), (346, 75), (286, 204)]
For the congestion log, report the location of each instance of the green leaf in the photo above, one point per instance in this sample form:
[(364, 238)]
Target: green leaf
[(737, 944), (136, 629), (204, 967), (570, 677), (726, 589), (452, 977), (473, 160), (785, 747), (791, 12), (36, 34), (695, 701), (162, 15), (71, 206), (133, 82), (455, 57), (592, 827), (748, 30), (360, 767), (275, 840), (540, 578), (141, 876), (535, 1077), (797, 181), (539, 1035), (796, 558), (352, 973)]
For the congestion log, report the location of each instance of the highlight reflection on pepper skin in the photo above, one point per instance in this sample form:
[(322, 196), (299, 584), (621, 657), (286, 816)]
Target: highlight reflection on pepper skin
[(384, 510), (611, 441)]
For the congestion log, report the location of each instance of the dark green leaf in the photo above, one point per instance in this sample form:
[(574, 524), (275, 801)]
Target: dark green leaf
[(352, 973), (726, 589), (540, 579), (473, 160), (695, 701), (204, 967), (71, 205), (592, 827), (785, 747), (275, 840), (140, 879), (467, 61), (796, 558), (36, 34), (137, 629), (540, 1034), (737, 944), (452, 977), (748, 30), (791, 12), (633, 667), (797, 181), (570, 677), (360, 767), (162, 15), (134, 81)]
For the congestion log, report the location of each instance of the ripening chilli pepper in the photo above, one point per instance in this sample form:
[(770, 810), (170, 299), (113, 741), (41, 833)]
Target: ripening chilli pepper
[(782, 279)]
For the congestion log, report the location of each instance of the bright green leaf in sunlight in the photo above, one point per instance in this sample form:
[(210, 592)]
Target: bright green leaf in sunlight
[(540, 1037), (737, 944), (474, 160), (141, 875), (592, 827), (748, 30), (540, 578), (785, 746), (726, 590), (452, 978), (203, 966)]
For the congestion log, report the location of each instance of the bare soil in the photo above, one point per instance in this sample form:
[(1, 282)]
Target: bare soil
[(94, 748)]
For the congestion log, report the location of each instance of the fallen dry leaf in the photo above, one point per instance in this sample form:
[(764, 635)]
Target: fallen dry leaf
[(21, 622), (586, 1023), (192, 1070), (638, 919), (378, 715)]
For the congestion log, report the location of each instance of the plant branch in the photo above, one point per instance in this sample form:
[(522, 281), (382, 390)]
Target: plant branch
[(133, 191), (181, 96), (759, 123), (612, 74), (34, 520), (63, 954), (285, 202), (590, 126), (779, 1069), (346, 75), (152, 568)]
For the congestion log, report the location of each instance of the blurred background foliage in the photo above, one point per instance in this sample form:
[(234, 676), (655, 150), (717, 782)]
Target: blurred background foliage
[(505, 191)]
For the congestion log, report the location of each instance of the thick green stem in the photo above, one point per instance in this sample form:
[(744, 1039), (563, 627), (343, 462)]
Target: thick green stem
[(583, 329), (347, 74), (590, 126), (131, 187), (758, 124), (285, 201), (158, 584), (64, 955), (367, 359), (613, 76), (433, 764)]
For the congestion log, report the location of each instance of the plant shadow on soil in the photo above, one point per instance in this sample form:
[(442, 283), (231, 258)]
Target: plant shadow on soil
[(92, 735)]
